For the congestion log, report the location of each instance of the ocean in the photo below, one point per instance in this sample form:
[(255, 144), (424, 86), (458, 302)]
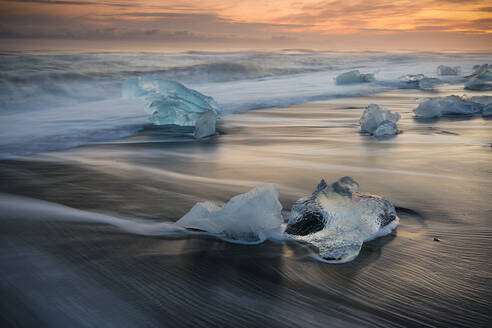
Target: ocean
[(90, 191)]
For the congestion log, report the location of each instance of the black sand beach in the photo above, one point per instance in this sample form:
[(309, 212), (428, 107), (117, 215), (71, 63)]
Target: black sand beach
[(437, 172)]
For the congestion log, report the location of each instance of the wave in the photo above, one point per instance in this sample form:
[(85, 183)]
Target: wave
[(48, 97)]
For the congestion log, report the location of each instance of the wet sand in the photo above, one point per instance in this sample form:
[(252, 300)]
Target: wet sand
[(437, 172)]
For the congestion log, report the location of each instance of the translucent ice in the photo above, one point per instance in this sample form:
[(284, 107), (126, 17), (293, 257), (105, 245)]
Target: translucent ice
[(412, 78), (353, 77), (428, 83), (170, 102), (337, 219), (450, 105), (482, 72), (486, 102), (447, 70), (374, 116), (386, 128), (481, 79), (487, 110), (205, 125), (421, 81), (249, 217), (483, 100), (478, 84)]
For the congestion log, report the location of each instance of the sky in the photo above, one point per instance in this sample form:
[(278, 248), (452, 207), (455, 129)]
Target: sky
[(315, 24)]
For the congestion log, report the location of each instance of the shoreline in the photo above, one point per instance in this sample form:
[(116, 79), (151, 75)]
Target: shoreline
[(436, 173)]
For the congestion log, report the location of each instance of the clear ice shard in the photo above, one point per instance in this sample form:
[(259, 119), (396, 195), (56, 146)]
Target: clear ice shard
[(248, 218), (337, 219), (447, 70), (353, 77), (450, 105), (374, 117), (170, 102)]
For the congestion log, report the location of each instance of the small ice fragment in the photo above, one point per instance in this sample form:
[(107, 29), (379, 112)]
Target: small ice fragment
[(412, 78), (450, 105), (205, 125), (248, 217), (387, 128), (447, 70), (481, 79), (480, 70), (428, 83), (478, 84), (353, 77), (337, 219), (420, 81), (487, 110), (374, 116), (483, 100)]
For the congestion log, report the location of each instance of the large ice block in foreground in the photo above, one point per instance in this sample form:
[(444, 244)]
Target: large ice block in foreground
[(353, 77), (249, 217), (447, 70), (375, 117), (170, 102), (337, 219), (450, 105)]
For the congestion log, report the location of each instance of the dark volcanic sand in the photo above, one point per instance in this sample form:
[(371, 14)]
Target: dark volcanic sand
[(438, 173)]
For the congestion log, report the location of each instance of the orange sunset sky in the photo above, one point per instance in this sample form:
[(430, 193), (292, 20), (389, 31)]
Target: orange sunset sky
[(338, 24)]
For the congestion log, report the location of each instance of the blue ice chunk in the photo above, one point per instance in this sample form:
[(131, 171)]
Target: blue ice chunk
[(354, 77), (170, 102), (450, 105), (374, 116)]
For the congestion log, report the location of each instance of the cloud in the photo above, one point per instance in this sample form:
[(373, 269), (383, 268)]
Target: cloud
[(274, 21)]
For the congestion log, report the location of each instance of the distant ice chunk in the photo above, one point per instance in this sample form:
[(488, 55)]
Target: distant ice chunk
[(170, 102), (487, 110), (483, 100), (486, 102), (482, 72), (428, 83), (412, 78), (249, 217), (386, 128), (420, 81), (374, 117), (353, 77), (447, 70), (481, 79), (478, 84), (337, 219), (450, 105)]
